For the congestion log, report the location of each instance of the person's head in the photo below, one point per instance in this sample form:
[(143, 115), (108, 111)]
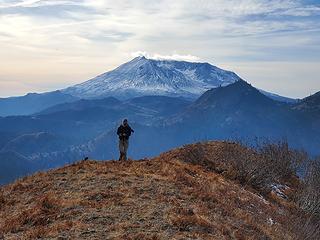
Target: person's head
[(125, 122)]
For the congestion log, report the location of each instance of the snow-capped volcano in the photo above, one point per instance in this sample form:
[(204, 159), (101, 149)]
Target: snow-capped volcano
[(142, 76)]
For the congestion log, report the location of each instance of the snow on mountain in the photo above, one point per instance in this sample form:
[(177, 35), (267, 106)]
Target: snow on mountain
[(142, 76)]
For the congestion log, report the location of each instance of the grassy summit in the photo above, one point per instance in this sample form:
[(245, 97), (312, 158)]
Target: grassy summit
[(187, 193)]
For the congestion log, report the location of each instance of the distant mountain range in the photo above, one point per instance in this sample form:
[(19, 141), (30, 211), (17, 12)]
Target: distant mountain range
[(32, 103), (136, 78), (65, 128)]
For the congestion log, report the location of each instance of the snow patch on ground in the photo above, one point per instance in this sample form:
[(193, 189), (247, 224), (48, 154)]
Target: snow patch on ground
[(279, 190)]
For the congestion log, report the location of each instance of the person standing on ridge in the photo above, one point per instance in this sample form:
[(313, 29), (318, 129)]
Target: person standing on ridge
[(124, 132)]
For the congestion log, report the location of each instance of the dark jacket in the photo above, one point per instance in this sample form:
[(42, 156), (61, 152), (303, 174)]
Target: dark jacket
[(124, 132)]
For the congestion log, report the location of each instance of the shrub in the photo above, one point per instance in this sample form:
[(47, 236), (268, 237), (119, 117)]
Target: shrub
[(282, 161), (261, 167), (304, 227), (308, 196), (271, 163)]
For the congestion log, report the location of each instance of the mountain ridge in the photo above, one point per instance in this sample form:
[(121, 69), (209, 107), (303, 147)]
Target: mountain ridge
[(32, 102)]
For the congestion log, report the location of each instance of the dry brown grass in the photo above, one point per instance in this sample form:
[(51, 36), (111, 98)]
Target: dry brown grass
[(2, 200), (173, 196)]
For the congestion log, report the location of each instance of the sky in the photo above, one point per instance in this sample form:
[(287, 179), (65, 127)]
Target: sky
[(51, 44)]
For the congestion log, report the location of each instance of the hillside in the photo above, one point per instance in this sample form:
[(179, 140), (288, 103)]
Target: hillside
[(177, 195), (309, 104)]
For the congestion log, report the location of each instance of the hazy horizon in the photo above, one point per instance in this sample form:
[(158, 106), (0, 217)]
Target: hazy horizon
[(49, 45)]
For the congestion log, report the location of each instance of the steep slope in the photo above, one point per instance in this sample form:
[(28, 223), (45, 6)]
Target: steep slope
[(162, 198), (237, 110), (309, 104), (309, 110), (32, 103), (238, 96), (142, 76)]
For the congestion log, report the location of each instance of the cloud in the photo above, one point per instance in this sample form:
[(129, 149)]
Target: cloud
[(47, 9), (37, 3), (107, 36), (96, 36), (174, 56)]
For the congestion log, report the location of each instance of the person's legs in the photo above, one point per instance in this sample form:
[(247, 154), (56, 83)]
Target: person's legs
[(125, 148), (121, 149)]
